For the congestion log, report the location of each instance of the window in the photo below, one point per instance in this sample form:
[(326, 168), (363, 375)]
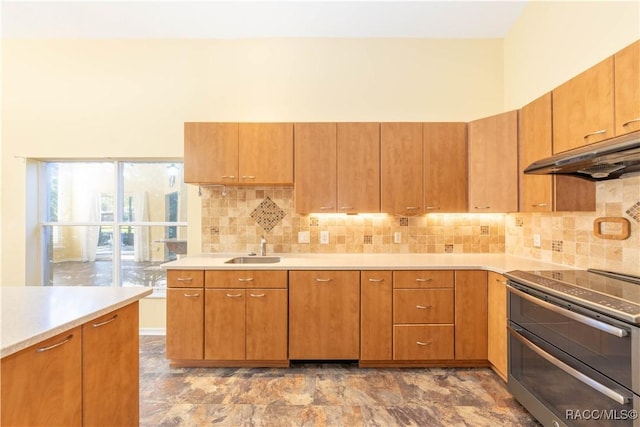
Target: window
[(111, 223)]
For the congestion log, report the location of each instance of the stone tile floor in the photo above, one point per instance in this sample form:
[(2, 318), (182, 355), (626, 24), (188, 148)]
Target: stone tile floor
[(320, 395)]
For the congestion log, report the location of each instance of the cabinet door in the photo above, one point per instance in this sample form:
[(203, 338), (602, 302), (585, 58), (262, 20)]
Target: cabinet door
[(497, 323), (42, 385), (493, 163), (211, 153), (358, 167), (185, 323), (266, 153), (627, 89), (110, 359), (401, 168), (583, 108), (266, 337), (375, 315), (445, 167), (224, 320), (324, 320), (544, 193), (471, 315), (315, 167), (423, 342)]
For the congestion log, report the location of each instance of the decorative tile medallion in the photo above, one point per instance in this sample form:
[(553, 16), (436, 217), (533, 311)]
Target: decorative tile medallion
[(268, 214), (484, 230), (368, 239), (519, 222), (404, 222), (314, 221), (556, 245), (448, 248), (634, 212)]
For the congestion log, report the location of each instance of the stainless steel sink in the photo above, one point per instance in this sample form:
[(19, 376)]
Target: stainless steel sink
[(254, 260)]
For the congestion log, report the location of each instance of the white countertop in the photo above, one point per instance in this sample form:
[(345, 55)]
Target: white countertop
[(498, 263), (31, 314)]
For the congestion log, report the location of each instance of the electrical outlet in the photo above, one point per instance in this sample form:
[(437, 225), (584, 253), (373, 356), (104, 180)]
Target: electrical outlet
[(397, 237), (536, 241), (304, 237), (324, 237)]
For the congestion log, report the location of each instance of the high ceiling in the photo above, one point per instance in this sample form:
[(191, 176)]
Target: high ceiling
[(251, 19)]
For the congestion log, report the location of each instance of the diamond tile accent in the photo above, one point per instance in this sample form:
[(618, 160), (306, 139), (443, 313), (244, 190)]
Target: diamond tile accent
[(404, 222), (314, 221), (368, 239), (634, 212), (484, 230), (268, 214), (556, 245)]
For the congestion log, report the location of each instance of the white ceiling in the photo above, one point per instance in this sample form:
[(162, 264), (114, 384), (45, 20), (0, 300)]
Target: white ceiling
[(251, 19)]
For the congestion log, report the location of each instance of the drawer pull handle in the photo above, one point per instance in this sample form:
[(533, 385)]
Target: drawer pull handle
[(234, 295), (423, 307), (52, 346), (97, 325), (322, 280), (421, 279), (184, 279), (247, 279), (257, 295), (326, 208), (423, 343), (376, 280), (346, 208), (539, 205), (412, 208), (482, 207), (501, 281), (433, 208), (192, 295), (598, 132), (228, 177), (248, 177), (637, 119)]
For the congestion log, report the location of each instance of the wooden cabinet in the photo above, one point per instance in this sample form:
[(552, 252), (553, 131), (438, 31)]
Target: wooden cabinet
[(185, 314), (445, 167), (546, 193), (497, 323), (493, 163), (110, 366), (42, 384), (376, 315), (423, 315), (232, 153), (337, 167), (583, 108), (627, 89), (471, 315), (245, 315), (401, 175), (324, 315), (265, 153)]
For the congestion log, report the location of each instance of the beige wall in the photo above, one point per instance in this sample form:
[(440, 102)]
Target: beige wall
[(556, 40)]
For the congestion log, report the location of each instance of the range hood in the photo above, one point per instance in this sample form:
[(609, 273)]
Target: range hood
[(617, 157)]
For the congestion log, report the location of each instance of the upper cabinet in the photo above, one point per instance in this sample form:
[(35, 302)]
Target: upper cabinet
[(493, 163), (546, 193), (232, 153), (445, 167), (211, 153), (627, 89), (337, 167), (583, 108), (401, 176)]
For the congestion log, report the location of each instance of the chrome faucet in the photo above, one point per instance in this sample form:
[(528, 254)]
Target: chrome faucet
[(263, 246)]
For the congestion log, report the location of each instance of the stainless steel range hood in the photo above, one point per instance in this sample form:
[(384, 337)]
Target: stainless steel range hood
[(617, 157)]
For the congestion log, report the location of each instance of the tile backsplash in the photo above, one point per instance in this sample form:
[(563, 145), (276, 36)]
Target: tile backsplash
[(568, 237), (234, 223)]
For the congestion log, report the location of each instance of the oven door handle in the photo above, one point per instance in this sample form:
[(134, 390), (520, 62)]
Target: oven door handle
[(599, 387), (604, 327)]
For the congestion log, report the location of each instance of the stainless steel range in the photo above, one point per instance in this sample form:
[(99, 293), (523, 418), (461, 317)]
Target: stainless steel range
[(574, 346)]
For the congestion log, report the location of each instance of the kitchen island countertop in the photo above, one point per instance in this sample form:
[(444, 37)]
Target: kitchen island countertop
[(30, 314), (498, 263)]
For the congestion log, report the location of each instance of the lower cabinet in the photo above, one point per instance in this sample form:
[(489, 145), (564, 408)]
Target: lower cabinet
[(497, 322), (471, 315), (185, 323), (324, 315), (85, 376), (376, 323)]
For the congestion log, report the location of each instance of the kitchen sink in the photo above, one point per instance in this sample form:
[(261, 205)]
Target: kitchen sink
[(254, 260)]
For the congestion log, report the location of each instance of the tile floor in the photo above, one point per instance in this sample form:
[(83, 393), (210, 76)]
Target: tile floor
[(320, 395)]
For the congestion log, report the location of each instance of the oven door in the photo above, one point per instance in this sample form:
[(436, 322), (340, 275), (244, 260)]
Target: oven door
[(560, 391), (600, 342)]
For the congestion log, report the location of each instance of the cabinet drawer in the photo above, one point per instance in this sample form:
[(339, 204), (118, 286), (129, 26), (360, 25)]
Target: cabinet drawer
[(246, 279), (185, 278), (423, 306), (423, 279), (420, 342)]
